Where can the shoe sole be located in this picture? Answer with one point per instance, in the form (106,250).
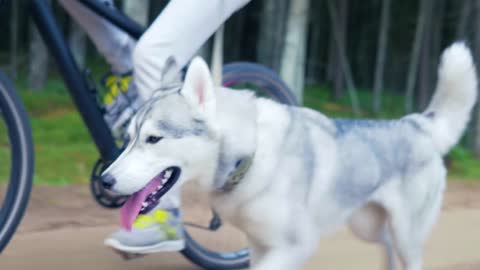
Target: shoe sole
(167,246)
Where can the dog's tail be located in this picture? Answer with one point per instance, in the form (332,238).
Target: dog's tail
(455,95)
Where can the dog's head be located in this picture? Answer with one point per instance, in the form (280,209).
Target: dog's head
(173,138)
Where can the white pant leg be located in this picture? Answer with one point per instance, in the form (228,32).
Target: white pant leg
(114,44)
(179,31)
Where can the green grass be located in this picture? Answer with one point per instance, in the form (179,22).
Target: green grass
(463,165)
(63,148)
(65,153)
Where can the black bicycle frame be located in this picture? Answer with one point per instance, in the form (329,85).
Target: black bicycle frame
(69,70)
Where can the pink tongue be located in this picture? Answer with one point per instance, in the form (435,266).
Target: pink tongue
(131,208)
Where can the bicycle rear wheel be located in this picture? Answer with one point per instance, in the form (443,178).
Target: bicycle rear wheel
(16,160)
(221,246)
(264,81)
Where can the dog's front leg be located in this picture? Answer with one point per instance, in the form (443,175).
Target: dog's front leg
(282,258)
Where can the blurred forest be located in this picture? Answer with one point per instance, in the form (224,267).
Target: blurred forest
(370,58)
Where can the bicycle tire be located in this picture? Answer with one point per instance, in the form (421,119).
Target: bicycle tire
(270,82)
(275,88)
(19,186)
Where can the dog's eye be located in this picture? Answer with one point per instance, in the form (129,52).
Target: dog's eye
(153,139)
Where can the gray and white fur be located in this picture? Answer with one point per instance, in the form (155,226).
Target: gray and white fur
(310,174)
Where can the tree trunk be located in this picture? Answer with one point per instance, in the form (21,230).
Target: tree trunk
(313,67)
(205,51)
(137,10)
(235,36)
(439,15)
(344,64)
(476,47)
(425,5)
(38,65)
(332,61)
(425,73)
(381,53)
(155,8)
(465,12)
(14,39)
(339,28)
(294,52)
(78,45)
(217,56)
(272,32)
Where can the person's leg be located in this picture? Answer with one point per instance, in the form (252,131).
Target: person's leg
(114,44)
(121,98)
(173,39)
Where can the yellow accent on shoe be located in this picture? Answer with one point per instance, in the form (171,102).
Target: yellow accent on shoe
(108,99)
(161,215)
(115,84)
(113,92)
(158,216)
(125,82)
(170,232)
(111,80)
(143,221)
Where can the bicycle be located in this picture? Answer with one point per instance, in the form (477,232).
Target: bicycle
(84,95)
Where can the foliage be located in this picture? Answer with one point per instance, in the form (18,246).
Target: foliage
(462,164)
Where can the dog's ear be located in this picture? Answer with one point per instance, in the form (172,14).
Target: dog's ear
(198,88)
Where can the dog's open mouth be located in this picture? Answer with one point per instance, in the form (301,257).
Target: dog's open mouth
(148,197)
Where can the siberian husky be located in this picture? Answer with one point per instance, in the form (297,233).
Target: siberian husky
(286,176)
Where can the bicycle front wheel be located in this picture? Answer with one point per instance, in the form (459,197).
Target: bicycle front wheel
(209,243)
(16,160)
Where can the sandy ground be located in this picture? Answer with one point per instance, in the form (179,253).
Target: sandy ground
(64,229)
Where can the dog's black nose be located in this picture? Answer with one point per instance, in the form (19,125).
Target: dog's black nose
(108,181)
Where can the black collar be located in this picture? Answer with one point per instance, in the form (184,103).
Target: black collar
(234,176)
(238,139)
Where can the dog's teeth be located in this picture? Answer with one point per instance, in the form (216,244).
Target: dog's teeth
(145,204)
(167,174)
(154,193)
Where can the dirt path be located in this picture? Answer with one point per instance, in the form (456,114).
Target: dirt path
(64,229)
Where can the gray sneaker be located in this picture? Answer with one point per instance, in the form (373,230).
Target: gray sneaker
(120,101)
(158,231)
